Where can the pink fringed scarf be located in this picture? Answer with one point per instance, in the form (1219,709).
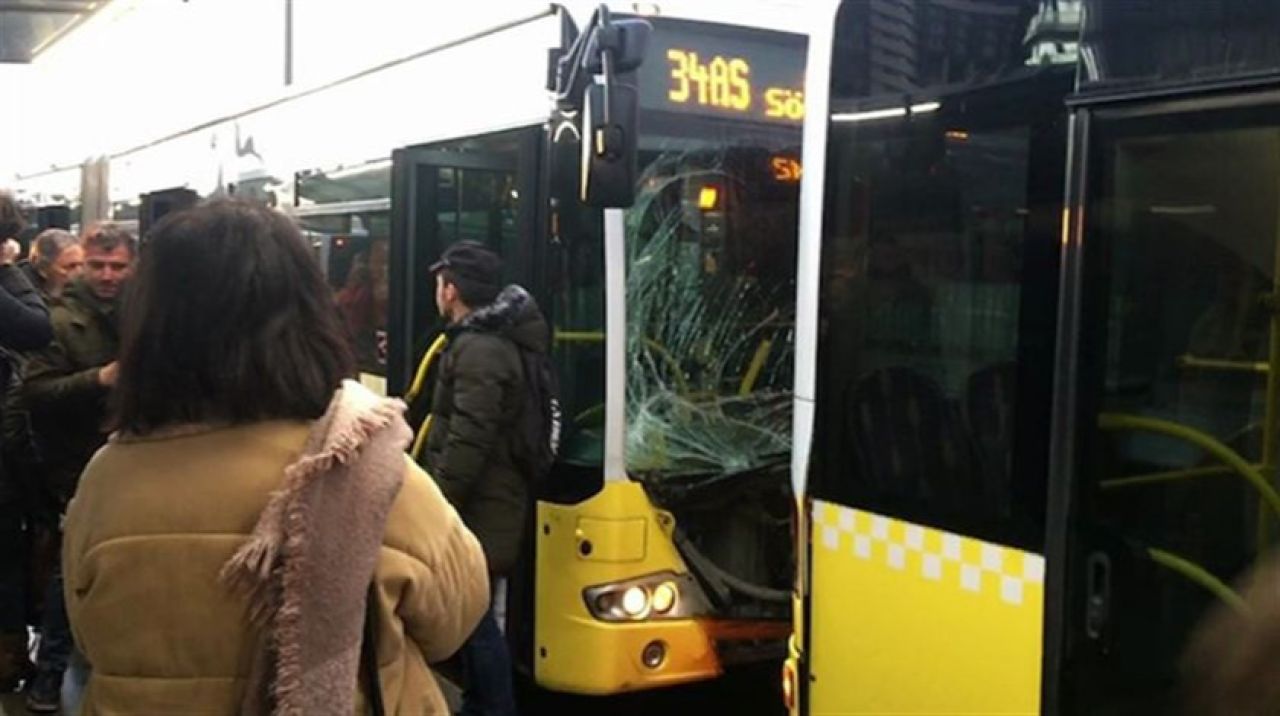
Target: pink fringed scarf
(308,563)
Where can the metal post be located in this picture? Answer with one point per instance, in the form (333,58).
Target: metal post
(615,345)
(288,42)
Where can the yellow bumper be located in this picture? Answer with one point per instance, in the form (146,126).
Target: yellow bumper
(615,536)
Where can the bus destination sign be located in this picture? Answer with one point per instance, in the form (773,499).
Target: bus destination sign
(726,72)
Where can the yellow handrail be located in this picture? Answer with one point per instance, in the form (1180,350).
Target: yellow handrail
(1204,441)
(420,376)
(419,380)
(420,440)
(1237,366)
(755,368)
(1200,576)
(578,336)
(1169,476)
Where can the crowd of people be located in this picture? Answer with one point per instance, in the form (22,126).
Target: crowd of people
(199,500)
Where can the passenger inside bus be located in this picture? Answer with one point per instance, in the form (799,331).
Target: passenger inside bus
(363,302)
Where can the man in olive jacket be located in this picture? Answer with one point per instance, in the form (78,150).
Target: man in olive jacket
(66,390)
(472,448)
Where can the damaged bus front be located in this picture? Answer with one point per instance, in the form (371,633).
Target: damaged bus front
(676,368)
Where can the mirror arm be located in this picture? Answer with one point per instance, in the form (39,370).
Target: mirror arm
(567,86)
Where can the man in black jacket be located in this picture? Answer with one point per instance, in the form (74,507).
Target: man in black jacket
(24,325)
(472,448)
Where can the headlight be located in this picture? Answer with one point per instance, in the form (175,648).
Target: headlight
(635,602)
(664,597)
(657,596)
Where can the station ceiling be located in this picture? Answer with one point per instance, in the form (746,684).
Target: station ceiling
(27,27)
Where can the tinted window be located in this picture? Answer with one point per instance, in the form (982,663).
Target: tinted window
(353,251)
(944,186)
(1179,343)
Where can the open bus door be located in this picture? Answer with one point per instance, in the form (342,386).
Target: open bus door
(474,188)
(479,188)
(1169,413)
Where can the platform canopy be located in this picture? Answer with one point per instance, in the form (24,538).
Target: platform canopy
(28,27)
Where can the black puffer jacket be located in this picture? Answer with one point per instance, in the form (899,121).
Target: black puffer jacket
(478,399)
(24,319)
(24,325)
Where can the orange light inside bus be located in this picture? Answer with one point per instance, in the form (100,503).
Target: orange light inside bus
(785,169)
(709,197)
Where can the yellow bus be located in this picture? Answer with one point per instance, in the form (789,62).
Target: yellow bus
(1038,351)
(659,552)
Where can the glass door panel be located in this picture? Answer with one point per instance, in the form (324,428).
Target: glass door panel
(1176,494)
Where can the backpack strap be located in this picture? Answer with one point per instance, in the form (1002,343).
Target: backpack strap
(369,653)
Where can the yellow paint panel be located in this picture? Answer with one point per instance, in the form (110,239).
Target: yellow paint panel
(612,540)
(578,653)
(912,620)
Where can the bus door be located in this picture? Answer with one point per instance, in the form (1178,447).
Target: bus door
(1169,454)
(476,188)
(479,188)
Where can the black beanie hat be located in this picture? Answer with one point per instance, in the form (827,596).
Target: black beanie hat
(474,269)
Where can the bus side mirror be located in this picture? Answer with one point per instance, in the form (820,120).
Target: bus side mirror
(608,177)
(589,78)
(628,40)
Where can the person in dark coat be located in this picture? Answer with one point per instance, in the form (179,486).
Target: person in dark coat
(471,448)
(24,325)
(65,389)
(55,260)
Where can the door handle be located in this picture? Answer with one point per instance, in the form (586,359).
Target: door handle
(1098,609)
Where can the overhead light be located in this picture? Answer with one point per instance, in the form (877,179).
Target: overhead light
(887,113)
(1184,209)
(869,115)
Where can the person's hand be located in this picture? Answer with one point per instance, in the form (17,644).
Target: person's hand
(108,374)
(9,252)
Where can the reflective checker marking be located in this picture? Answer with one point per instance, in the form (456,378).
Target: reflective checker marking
(966,563)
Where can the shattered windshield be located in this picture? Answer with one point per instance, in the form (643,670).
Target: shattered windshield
(710,299)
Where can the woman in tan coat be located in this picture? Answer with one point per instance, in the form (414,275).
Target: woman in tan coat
(220,549)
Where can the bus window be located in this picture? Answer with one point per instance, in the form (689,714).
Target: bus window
(937,294)
(353,252)
(710,294)
(575,305)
